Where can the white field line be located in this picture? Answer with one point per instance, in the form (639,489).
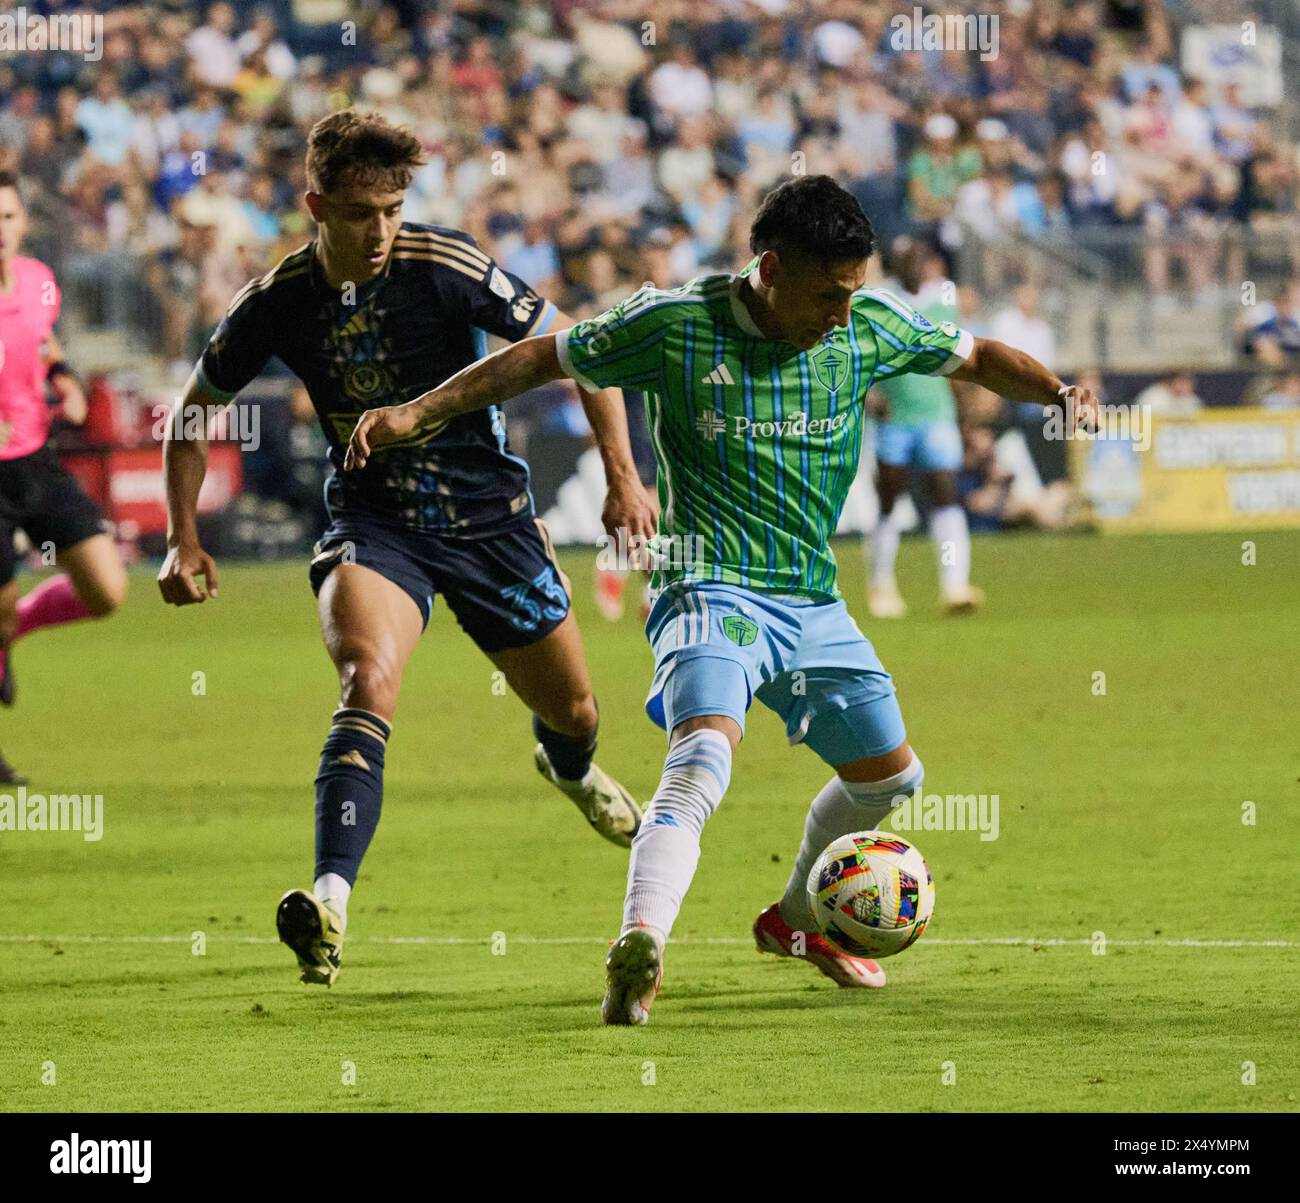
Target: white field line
(933,942)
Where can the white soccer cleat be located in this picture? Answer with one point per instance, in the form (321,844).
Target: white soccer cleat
(774,935)
(634,970)
(963,600)
(605,804)
(885,601)
(314,933)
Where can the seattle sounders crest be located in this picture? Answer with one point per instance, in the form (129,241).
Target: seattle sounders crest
(831,364)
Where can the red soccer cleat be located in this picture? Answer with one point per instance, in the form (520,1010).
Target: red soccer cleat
(773,934)
(610,587)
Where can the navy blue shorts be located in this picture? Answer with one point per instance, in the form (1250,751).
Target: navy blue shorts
(505,590)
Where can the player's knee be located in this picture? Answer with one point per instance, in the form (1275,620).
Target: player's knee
(901,783)
(943,489)
(8,614)
(105,596)
(368,682)
(575,716)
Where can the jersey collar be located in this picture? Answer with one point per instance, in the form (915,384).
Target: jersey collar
(322,285)
(742,315)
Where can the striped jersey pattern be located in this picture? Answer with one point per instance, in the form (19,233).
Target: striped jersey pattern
(914,399)
(756,442)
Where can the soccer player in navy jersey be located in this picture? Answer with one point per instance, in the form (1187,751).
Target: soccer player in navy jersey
(373,312)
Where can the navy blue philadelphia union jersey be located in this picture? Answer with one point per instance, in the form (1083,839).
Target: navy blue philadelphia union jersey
(417,323)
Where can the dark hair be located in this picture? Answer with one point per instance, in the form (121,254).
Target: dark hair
(812,216)
(10,179)
(352,147)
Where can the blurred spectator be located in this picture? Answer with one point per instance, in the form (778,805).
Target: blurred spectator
(709,216)
(1019,325)
(263,34)
(106,120)
(937,170)
(1147,71)
(1172,397)
(987,490)
(1273,333)
(214,56)
(679,86)
(686,165)
(535,259)
(1284,393)
(1234,125)
(1180,230)
(1192,125)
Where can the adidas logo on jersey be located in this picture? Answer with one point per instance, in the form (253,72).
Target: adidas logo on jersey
(719,375)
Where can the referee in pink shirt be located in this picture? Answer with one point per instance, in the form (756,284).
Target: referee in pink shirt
(36,493)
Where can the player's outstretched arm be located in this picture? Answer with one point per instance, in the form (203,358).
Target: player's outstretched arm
(185,463)
(627,505)
(1019,377)
(507,373)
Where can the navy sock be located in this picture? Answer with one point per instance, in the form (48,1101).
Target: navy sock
(570,754)
(349,791)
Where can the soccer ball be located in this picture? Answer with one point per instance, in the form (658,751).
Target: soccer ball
(871,893)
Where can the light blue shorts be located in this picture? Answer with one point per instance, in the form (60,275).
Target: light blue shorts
(717,647)
(929,446)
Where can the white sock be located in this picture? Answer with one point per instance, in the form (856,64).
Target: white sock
(667,848)
(952,541)
(841,807)
(574,785)
(332,891)
(884,548)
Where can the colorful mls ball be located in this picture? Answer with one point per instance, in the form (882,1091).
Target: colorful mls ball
(871,893)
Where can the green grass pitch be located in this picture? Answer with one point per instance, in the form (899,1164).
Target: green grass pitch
(1120,813)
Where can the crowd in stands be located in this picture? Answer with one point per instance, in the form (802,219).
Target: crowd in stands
(591,145)
(594,145)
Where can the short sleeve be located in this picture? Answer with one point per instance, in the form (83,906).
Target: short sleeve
(907,340)
(240,346)
(491,298)
(619,348)
(46,294)
(56,300)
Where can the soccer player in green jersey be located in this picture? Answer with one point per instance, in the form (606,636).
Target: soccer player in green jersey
(920,431)
(754,387)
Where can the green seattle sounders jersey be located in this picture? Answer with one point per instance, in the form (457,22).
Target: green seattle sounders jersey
(914,399)
(756,442)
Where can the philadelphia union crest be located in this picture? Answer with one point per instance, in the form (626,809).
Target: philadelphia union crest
(366,381)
